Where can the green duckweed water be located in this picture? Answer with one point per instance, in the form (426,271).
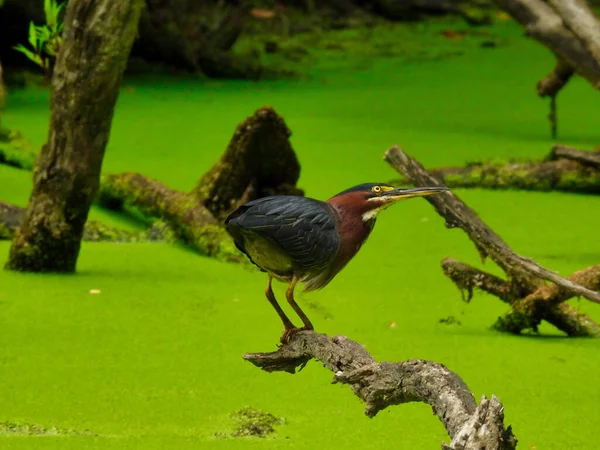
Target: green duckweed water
(154,360)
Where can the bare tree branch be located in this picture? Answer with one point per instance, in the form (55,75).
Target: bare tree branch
(581,20)
(551,84)
(467,277)
(521,270)
(379,385)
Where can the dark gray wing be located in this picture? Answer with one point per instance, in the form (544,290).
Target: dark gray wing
(302,227)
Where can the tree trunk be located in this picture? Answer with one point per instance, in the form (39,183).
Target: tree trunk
(98,36)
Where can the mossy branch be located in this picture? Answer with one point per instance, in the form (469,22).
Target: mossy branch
(381,385)
(558,172)
(11,217)
(526,276)
(191,222)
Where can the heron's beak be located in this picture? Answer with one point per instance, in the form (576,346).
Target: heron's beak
(401,194)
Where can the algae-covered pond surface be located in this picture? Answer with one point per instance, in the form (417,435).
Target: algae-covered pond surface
(155,359)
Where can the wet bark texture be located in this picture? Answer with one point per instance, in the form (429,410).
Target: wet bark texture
(12,216)
(525,277)
(379,385)
(259,161)
(191,222)
(98,36)
(564,169)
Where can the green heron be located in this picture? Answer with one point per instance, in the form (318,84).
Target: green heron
(298,239)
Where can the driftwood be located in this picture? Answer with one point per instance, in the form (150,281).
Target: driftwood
(524,275)
(564,169)
(11,217)
(379,385)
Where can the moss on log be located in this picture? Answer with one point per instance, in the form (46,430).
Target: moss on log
(16,151)
(190,221)
(97,40)
(11,217)
(567,175)
(547,303)
(259,161)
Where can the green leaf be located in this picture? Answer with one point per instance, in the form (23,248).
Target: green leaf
(32,35)
(32,56)
(48,11)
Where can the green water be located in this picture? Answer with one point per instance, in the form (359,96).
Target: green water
(154,360)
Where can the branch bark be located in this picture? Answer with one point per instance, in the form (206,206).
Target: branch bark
(565,175)
(379,385)
(553,25)
(457,214)
(551,84)
(97,40)
(524,276)
(585,158)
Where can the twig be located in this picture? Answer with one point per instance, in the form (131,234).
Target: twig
(521,270)
(379,385)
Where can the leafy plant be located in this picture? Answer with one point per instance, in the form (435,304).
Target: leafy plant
(45,39)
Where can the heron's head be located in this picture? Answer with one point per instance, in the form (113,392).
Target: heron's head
(370,198)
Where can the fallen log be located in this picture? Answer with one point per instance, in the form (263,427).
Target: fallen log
(379,385)
(524,275)
(11,217)
(190,221)
(565,169)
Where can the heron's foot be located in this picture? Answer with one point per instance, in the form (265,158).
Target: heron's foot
(289,332)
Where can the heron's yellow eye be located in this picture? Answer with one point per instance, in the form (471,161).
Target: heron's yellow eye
(377,189)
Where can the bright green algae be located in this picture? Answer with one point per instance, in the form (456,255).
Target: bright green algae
(154,359)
